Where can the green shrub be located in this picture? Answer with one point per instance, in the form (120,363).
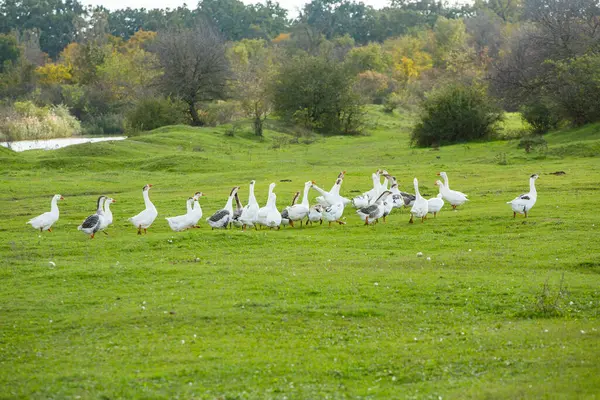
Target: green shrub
(153,113)
(26,121)
(456,113)
(540,117)
(533,142)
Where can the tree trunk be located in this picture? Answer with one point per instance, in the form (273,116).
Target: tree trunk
(258,126)
(194,114)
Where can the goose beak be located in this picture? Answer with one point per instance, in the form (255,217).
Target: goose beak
(438,174)
(113,201)
(314,183)
(62,198)
(149,185)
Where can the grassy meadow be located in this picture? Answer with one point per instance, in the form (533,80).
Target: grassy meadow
(496,308)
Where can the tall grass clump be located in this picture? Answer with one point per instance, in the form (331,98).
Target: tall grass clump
(456,113)
(26,121)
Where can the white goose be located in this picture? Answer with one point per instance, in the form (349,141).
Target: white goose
(300,211)
(221,219)
(454,197)
(331,198)
(400,198)
(335,190)
(108,217)
(315,214)
(523,203)
(370,196)
(373,212)
(388,205)
(250,212)
(435,204)
(197,210)
(185,221)
(92,224)
(45,221)
(334,213)
(273,217)
(261,216)
(447,183)
(421,206)
(285,217)
(144,219)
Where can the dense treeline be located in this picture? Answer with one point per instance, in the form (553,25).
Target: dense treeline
(137,69)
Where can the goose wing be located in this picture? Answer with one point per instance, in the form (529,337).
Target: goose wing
(91,221)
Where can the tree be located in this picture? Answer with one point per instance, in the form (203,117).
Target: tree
(507,10)
(9,51)
(540,56)
(317,92)
(194,65)
(55,20)
(371,57)
(253,65)
(575,87)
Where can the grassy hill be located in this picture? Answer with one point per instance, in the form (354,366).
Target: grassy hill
(496,308)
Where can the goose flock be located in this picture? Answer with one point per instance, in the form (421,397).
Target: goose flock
(371,206)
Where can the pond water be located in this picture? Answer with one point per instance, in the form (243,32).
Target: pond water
(53,144)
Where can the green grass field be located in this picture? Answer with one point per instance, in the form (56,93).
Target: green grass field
(496,308)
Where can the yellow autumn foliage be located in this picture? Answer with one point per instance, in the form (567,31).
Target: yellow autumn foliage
(52,73)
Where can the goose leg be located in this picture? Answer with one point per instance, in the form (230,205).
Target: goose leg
(145,231)
(49,229)
(321,222)
(422,219)
(454,206)
(92,235)
(525,214)
(41,229)
(139,230)
(514,214)
(291,223)
(411,219)
(366,220)
(384,220)
(329,223)
(340,222)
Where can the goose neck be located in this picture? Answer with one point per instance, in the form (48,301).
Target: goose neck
(305,196)
(54,205)
(228,205)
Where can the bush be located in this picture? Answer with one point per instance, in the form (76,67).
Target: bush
(540,117)
(26,121)
(533,142)
(317,92)
(372,87)
(220,113)
(106,124)
(456,113)
(153,113)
